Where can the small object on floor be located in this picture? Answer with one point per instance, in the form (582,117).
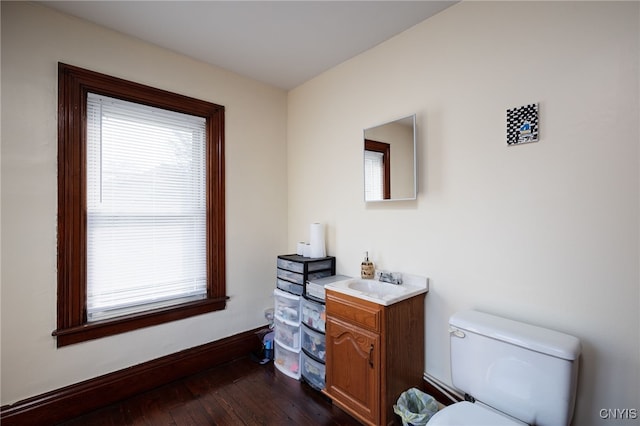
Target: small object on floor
(265,354)
(259,358)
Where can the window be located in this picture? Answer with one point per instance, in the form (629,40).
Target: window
(140,209)
(374,175)
(377,170)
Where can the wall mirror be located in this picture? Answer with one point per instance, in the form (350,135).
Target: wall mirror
(390,161)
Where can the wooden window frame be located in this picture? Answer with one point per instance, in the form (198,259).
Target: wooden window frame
(384,149)
(73,85)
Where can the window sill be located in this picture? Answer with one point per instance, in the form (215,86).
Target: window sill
(98,329)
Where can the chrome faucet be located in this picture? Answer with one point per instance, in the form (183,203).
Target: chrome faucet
(390,277)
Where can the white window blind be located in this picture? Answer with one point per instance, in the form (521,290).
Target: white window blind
(146,208)
(373,175)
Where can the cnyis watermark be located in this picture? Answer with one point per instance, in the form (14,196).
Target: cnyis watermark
(619,413)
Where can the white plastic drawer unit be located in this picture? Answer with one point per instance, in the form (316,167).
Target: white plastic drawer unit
(287,361)
(286,307)
(287,335)
(314,289)
(313,343)
(313,314)
(313,372)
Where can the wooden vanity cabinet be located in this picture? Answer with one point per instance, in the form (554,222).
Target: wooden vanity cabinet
(374,353)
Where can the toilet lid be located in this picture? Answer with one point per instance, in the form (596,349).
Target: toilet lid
(466,413)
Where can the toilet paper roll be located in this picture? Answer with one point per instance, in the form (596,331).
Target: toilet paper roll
(307,250)
(316,240)
(300,249)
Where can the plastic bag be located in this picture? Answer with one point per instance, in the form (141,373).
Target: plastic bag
(415,407)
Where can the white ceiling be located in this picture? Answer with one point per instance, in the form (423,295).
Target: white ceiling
(283,43)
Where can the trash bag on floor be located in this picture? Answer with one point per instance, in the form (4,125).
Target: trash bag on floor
(415,407)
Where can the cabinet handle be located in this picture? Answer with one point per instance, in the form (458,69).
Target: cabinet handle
(371,356)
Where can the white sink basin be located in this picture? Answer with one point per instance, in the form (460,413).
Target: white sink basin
(376,288)
(379,292)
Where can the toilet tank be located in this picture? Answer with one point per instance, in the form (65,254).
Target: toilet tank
(519,369)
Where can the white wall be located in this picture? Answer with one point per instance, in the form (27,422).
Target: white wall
(545,233)
(34,39)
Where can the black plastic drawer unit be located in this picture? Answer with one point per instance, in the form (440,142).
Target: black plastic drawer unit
(294,271)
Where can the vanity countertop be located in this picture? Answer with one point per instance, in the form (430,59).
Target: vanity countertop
(380,292)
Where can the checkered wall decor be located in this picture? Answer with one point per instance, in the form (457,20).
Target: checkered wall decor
(522,124)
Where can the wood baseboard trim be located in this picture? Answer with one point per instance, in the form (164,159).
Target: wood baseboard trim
(74,400)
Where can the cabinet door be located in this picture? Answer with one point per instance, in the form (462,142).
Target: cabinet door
(353,368)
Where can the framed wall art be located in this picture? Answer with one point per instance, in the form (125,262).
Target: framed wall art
(522,124)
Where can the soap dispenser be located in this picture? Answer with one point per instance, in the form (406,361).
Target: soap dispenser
(367,271)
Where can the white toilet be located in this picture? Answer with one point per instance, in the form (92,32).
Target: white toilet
(516,373)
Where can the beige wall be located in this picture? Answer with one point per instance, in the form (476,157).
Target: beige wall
(34,39)
(546,232)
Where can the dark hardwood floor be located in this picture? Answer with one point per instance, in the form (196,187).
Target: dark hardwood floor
(241,392)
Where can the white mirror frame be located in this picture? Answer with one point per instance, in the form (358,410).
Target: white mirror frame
(400,165)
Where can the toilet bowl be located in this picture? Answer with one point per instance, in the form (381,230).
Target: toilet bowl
(476,414)
(516,373)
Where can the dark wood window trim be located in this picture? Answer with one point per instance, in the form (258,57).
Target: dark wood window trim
(73,86)
(385,150)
